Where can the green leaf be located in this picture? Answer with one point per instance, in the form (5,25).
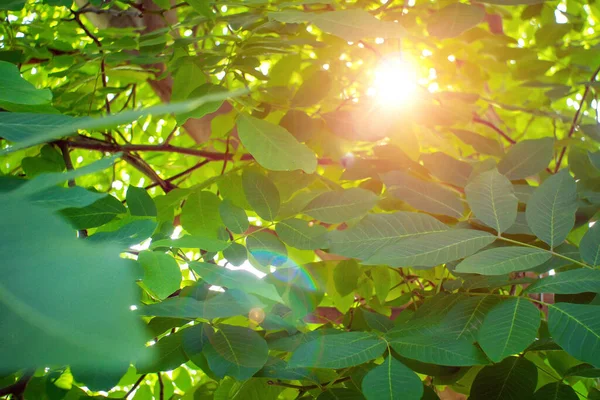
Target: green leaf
(432,249)
(262,194)
(229,304)
(340,206)
(595,159)
(53,296)
(515,378)
(314,88)
(480,143)
(454,19)
(200,214)
(375,231)
(465,318)
(57,198)
(345,276)
(242,280)
(447,169)
(205,108)
(338,351)
(301,234)
(96,214)
(508,328)
(129,234)
(192,242)
(576,328)
(166,354)
(341,394)
(236,254)
(48,180)
(41,134)
(568,282)
(300,125)
(234,217)
(526,158)
(162,275)
(350,25)
(589,247)
(234,350)
(551,210)
(422,195)
(503,260)
(266,248)
(273,147)
(512,2)
(421,346)
(16,90)
(491,198)
(392,380)
(140,203)
(555,391)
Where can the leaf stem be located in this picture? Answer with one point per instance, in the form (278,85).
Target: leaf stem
(546,250)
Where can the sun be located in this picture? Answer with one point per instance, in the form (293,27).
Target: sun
(395,84)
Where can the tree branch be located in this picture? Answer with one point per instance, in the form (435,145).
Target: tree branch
(499,131)
(307,387)
(135,386)
(576,118)
(17,388)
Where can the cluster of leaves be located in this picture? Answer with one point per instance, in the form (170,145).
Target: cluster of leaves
(312,242)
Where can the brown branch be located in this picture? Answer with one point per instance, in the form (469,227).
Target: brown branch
(179,175)
(141,165)
(499,131)
(102,63)
(83,142)
(576,118)
(307,387)
(18,388)
(161,385)
(64,149)
(135,386)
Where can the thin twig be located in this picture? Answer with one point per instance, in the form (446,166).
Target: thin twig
(64,149)
(576,118)
(179,175)
(161,385)
(100,50)
(135,386)
(499,131)
(307,387)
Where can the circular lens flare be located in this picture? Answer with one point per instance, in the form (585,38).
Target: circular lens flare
(395,83)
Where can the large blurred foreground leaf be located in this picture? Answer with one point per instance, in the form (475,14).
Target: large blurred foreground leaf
(62,300)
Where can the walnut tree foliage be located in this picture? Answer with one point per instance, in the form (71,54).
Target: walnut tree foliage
(217,199)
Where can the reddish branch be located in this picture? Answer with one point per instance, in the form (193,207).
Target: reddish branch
(499,131)
(576,118)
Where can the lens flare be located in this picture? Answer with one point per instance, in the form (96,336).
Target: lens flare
(395,83)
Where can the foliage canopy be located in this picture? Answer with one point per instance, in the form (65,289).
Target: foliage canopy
(271,199)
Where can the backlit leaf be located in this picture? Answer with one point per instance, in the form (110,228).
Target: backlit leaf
(432,249)
(490,196)
(140,203)
(200,214)
(162,275)
(422,195)
(15,89)
(340,206)
(454,19)
(273,147)
(261,194)
(378,230)
(551,210)
(503,260)
(234,217)
(301,234)
(526,158)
